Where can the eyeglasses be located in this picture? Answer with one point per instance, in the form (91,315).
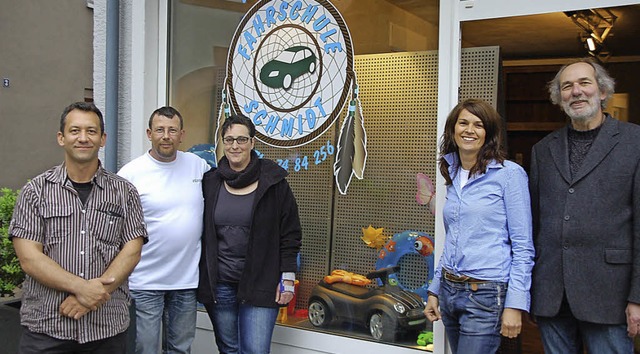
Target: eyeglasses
(241,140)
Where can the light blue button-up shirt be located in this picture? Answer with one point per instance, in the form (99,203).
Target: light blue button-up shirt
(488,230)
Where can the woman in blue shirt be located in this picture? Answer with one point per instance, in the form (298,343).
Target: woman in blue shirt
(481,285)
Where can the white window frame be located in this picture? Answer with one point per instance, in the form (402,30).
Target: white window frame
(148,79)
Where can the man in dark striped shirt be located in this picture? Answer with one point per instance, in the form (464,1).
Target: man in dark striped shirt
(78,231)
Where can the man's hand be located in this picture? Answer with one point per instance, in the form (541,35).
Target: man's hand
(93,293)
(511,322)
(431,310)
(633,319)
(72,308)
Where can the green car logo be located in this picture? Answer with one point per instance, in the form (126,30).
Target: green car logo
(288,66)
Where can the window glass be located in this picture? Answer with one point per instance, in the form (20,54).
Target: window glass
(357,226)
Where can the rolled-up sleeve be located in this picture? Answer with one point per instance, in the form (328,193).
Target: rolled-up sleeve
(27,222)
(134,225)
(518,210)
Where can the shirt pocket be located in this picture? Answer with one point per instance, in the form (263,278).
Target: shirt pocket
(57,223)
(108,223)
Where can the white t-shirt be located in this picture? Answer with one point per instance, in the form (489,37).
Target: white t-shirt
(464,177)
(171,195)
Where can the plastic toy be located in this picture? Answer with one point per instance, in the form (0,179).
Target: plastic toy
(408,242)
(424,338)
(373,237)
(342,276)
(386,310)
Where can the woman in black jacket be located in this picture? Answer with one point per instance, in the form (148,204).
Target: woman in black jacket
(251,240)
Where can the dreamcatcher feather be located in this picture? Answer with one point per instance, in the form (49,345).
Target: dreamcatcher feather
(223,114)
(360,141)
(351,156)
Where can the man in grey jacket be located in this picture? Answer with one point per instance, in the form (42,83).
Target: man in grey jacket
(585,194)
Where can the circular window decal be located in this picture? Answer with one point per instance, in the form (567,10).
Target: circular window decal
(290,69)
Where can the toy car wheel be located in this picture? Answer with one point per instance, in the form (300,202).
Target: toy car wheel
(319,314)
(382,327)
(312,67)
(286,82)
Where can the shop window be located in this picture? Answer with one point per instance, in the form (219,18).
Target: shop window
(378,223)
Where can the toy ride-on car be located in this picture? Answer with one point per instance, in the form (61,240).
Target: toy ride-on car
(386,310)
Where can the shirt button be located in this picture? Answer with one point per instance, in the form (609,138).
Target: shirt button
(83,211)
(565,247)
(82,253)
(82,274)
(110,222)
(82,232)
(567,217)
(571,190)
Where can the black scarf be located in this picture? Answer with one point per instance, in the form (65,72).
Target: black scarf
(243,178)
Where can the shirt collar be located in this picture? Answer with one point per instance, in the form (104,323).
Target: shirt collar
(59,175)
(453,160)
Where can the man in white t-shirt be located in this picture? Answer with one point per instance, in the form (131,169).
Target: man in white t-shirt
(164,283)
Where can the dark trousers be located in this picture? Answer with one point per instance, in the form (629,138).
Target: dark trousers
(38,343)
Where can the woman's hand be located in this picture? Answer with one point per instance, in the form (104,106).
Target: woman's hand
(431,310)
(284,297)
(511,322)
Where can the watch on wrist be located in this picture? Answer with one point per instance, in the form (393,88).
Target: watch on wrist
(286,288)
(288,276)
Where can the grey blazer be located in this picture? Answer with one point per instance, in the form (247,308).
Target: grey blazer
(587,228)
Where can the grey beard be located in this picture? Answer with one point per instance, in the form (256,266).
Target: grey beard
(580,117)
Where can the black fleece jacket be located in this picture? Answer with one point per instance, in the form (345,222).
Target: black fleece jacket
(274,239)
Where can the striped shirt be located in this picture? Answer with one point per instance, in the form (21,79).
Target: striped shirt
(83,240)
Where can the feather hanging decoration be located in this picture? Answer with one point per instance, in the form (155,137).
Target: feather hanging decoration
(223,114)
(360,139)
(343,166)
(351,154)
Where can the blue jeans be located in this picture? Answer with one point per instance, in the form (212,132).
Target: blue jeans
(240,328)
(564,334)
(172,310)
(472,318)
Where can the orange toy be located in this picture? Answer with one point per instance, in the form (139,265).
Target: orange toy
(342,276)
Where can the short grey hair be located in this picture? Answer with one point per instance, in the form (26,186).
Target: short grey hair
(605,82)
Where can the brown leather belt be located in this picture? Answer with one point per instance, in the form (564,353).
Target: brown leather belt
(461,278)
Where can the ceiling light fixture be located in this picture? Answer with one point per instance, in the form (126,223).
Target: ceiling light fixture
(591,44)
(596,25)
